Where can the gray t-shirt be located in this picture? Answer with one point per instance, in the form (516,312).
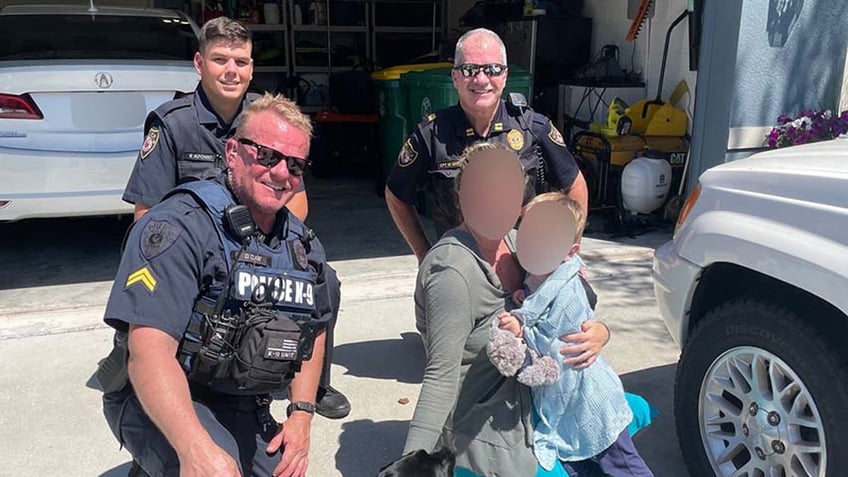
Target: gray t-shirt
(464,400)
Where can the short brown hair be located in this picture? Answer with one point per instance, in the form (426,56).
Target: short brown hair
(223,28)
(572,205)
(284,107)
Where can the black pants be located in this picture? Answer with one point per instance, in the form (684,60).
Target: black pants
(335,290)
(239,425)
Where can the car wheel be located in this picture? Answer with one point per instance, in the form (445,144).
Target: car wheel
(760,392)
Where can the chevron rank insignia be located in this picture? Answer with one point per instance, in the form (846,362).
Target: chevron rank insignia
(143,276)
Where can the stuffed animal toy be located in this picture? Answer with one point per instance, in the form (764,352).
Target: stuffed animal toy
(511,356)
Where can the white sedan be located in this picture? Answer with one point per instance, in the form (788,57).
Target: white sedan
(75,87)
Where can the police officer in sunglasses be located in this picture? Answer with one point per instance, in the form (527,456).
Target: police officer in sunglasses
(430,157)
(185,138)
(223,295)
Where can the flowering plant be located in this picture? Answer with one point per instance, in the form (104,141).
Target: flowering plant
(810,126)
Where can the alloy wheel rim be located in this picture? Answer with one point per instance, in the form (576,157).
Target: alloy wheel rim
(758,419)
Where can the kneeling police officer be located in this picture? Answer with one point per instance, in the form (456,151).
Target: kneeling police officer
(222,298)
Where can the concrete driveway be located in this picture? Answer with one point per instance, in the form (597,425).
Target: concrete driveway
(56,275)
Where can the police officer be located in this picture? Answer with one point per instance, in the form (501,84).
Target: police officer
(431,155)
(222,276)
(185,141)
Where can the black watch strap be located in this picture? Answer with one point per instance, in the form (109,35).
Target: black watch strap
(300,406)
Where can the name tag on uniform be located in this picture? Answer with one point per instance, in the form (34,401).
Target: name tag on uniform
(199,157)
(283,290)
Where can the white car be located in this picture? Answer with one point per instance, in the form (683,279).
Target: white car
(754,290)
(75,87)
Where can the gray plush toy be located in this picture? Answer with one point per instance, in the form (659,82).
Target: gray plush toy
(511,355)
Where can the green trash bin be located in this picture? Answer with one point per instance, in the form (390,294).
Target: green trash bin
(431,90)
(391,107)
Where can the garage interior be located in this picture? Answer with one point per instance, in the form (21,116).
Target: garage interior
(585,62)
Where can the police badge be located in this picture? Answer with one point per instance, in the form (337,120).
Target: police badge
(298,252)
(407,155)
(150,142)
(515,139)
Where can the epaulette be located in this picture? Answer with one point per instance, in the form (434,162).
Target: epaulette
(167,108)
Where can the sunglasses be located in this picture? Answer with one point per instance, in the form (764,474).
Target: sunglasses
(269,158)
(469,70)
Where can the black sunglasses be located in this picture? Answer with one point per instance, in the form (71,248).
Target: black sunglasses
(469,70)
(269,158)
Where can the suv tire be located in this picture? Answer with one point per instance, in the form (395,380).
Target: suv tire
(727,349)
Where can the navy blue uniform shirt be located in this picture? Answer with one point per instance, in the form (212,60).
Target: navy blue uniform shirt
(172,253)
(184,141)
(430,157)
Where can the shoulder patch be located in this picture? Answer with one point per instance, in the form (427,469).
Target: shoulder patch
(408,154)
(142,276)
(555,136)
(150,142)
(515,139)
(158,236)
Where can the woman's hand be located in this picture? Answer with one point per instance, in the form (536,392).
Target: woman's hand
(587,344)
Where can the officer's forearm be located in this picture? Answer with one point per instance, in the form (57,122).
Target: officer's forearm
(162,389)
(304,386)
(406,220)
(579,192)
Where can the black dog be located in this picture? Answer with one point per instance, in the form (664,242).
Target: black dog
(420,463)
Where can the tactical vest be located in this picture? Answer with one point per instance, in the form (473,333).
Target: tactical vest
(249,333)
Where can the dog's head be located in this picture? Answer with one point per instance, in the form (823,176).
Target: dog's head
(421,463)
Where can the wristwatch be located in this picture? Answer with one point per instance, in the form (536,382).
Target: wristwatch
(300,406)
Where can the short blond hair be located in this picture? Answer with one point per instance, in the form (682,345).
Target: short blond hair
(284,107)
(472,151)
(572,205)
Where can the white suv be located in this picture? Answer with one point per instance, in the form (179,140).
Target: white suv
(753,289)
(75,87)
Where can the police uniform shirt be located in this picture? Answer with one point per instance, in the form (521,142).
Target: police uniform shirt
(173,251)
(431,157)
(184,140)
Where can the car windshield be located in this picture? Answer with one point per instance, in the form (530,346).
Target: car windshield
(95,37)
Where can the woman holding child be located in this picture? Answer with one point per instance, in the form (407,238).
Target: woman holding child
(464,285)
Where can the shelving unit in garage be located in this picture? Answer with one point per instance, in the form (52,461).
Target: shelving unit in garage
(331,37)
(314,39)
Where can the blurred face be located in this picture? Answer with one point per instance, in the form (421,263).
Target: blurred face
(491,193)
(480,91)
(545,237)
(225,70)
(265,189)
